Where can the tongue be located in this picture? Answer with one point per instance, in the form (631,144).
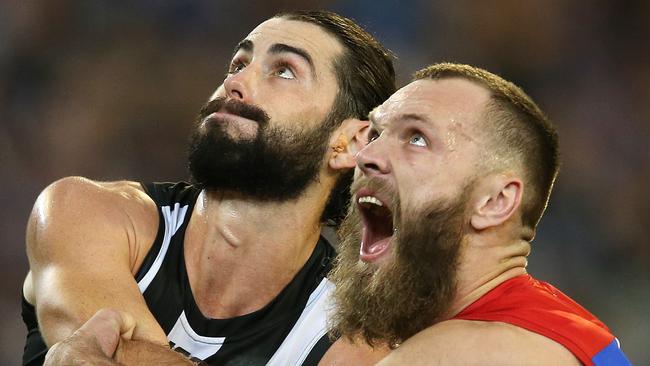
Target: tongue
(377,246)
(373,250)
(377,234)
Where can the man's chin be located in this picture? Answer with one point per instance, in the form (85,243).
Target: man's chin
(408,286)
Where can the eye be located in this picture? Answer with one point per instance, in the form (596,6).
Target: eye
(373,134)
(235,67)
(284,72)
(417,139)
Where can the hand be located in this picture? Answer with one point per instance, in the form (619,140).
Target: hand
(95,342)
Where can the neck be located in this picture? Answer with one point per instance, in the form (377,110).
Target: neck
(240,253)
(485,264)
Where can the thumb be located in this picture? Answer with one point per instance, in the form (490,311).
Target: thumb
(107,326)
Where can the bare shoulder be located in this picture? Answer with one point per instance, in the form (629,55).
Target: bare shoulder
(479,343)
(345,352)
(80,191)
(85,241)
(73,208)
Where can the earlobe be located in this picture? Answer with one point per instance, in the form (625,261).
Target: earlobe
(344,144)
(500,201)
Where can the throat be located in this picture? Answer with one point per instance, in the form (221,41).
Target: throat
(483,268)
(232,280)
(240,254)
(234,286)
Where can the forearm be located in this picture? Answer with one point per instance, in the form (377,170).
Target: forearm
(106,340)
(72,352)
(146,353)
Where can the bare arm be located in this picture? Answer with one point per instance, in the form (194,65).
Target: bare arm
(84,243)
(105,340)
(479,343)
(345,352)
(95,342)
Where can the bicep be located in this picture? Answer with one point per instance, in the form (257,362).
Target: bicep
(77,244)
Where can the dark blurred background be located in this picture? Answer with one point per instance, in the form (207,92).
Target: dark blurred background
(109,90)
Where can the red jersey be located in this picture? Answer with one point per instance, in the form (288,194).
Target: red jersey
(541,308)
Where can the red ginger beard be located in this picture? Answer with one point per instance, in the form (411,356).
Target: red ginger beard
(388,302)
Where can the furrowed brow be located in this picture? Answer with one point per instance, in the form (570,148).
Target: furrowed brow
(285,48)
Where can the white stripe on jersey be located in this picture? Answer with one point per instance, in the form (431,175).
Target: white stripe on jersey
(310,327)
(173,221)
(183,336)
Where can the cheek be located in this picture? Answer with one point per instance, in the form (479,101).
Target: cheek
(412,175)
(416,189)
(316,105)
(298,113)
(317,112)
(296,106)
(435,175)
(411,198)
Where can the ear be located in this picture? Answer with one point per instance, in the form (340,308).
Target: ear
(346,141)
(499,198)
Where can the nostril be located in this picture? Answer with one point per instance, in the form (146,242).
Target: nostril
(237,94)
(371,166)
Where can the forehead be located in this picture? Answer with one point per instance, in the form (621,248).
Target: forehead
(445,102)
(321,45)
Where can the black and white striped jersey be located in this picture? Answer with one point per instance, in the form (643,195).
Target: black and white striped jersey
(290,330)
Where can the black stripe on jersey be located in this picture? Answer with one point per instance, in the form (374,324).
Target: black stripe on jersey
(318,351)
(250,339)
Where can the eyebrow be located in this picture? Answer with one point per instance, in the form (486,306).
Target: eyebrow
(247,46)
(412,116)
(401,116)
(285,48)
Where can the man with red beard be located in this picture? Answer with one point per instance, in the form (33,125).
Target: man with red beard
(447,197)
(229,270)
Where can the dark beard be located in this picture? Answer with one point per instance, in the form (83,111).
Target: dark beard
(388,303)
(276,165)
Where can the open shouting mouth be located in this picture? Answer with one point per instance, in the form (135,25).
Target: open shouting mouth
(377,221)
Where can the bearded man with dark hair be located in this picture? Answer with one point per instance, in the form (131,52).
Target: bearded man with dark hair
(229,270)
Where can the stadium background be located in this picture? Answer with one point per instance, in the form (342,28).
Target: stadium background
(109,90)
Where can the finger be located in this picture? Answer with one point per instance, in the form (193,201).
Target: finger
(106,327)
(127,325)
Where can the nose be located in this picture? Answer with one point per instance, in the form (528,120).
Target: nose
(239,86)
(373,159)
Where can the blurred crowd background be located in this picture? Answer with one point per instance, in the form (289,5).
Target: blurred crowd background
(110,89)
